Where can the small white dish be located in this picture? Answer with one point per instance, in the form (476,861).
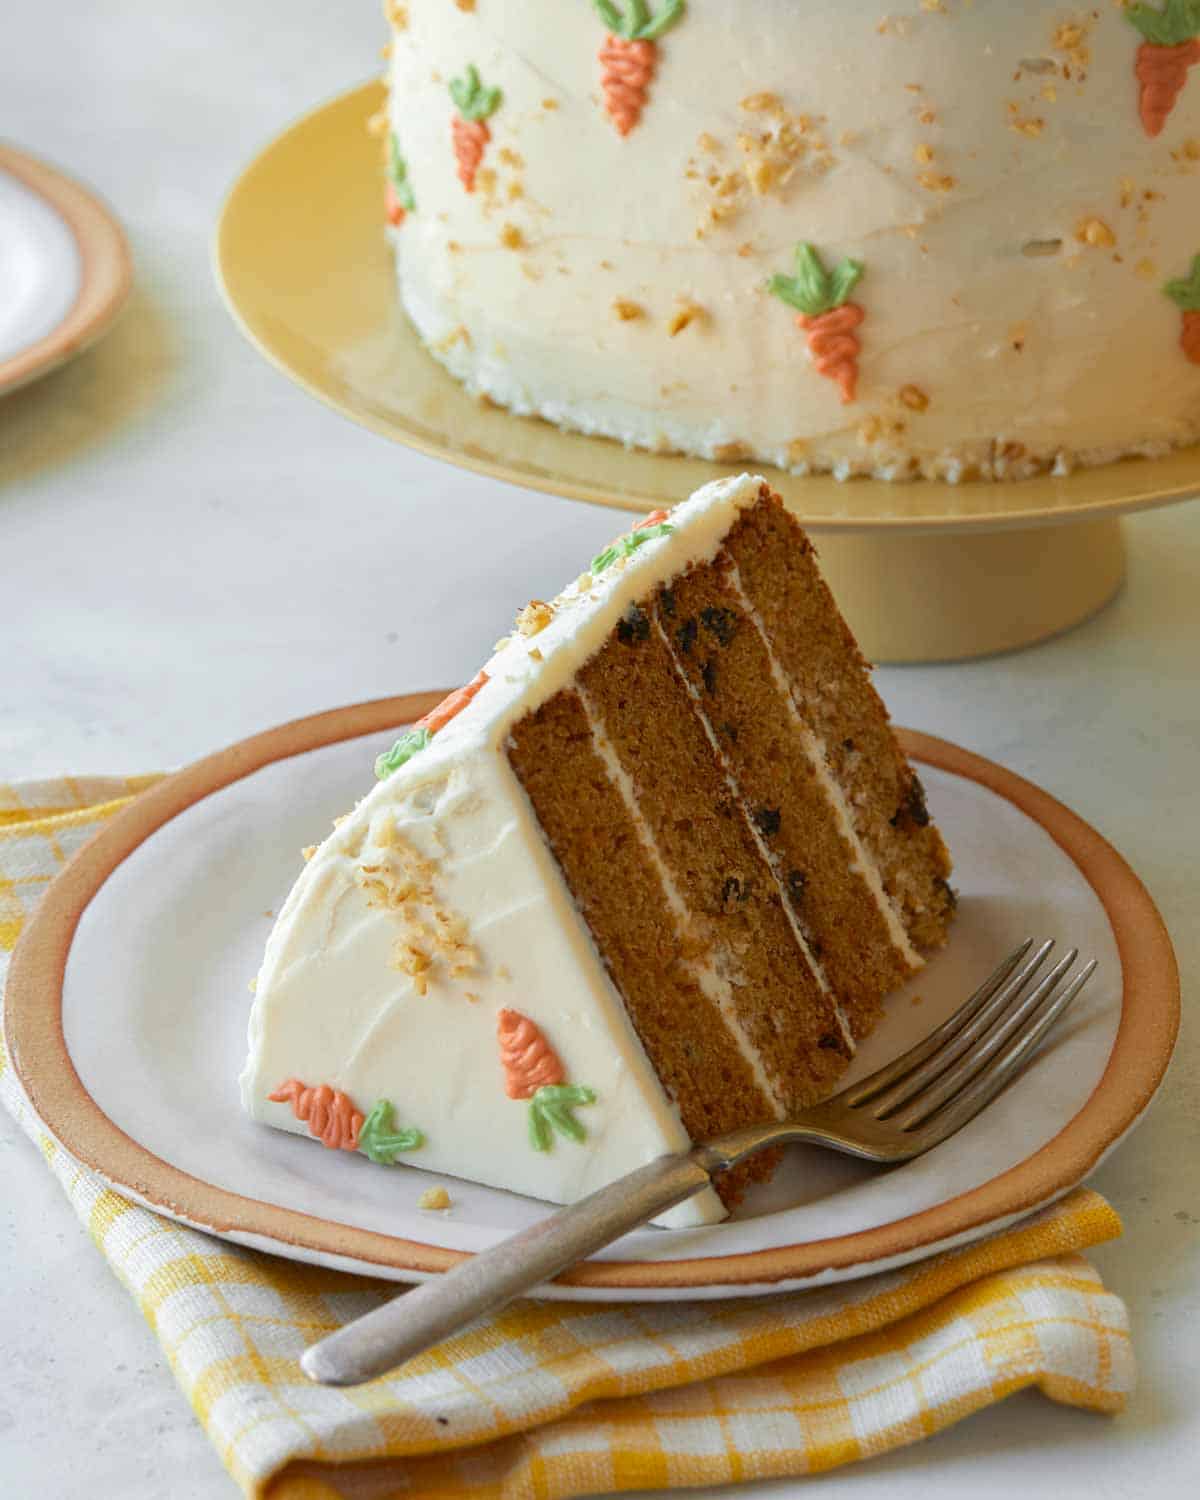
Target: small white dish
(64,267)
(128,999)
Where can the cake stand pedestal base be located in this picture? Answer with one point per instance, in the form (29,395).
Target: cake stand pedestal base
(947,596)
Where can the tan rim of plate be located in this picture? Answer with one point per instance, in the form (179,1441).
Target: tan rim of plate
(315,291)
(105,279)
(33,1022)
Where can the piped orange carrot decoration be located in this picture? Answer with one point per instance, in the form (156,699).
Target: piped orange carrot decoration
(629,56)
(451,705)
(1170,46)
(1185,293)
(532,1071)
(476,105)
(825,313)
(329,1115)
(528,1059)
(397,193)
(418,737)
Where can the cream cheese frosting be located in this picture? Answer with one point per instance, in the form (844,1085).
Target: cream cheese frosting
(988,163)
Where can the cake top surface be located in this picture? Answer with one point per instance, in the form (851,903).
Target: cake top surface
(552,640)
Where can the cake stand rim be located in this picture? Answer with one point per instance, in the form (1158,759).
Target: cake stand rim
(1174,477)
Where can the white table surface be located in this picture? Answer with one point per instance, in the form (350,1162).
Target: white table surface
(191,550)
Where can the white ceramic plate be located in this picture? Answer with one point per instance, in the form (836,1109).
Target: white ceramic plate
(64,268)
(147,946)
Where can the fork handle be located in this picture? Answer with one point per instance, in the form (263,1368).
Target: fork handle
(416,1320)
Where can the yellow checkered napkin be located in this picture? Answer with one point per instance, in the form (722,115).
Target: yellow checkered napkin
(563,1399)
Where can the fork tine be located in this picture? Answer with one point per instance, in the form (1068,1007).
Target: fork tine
(953,1116)
(882,1078)
(982,1048)
(963,1039)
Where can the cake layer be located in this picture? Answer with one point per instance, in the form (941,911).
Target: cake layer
(616,876)
(602,231)
(779,767)
(778,573)
(778,1000)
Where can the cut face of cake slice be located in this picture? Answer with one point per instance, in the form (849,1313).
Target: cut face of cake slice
(647,878)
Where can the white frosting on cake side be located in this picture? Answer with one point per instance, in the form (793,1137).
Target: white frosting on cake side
(436,904)
(985,162)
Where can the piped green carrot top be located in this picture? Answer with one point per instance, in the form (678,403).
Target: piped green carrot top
(473,100)
(1185,290)
(398,172)
(637,24)
(1176,22)
(813,290)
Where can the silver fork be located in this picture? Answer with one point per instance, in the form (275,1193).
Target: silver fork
(897,1113)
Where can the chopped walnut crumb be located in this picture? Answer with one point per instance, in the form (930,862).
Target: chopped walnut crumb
(1095,232)
(937,182)
(730,453)
(764,104)
(914,398)
(308,851)
(627,311)
(396,13)
(436,1197)
(1030,125)
(923,154)
(534,618)
(927,116)
(535,654)
(414,962)
(684,317)
(549,103)
(512,238)
(459,335)
(471,996)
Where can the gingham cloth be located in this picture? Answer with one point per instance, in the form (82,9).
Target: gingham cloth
(565,1399)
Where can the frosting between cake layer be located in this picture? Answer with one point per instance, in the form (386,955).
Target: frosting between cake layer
(862,862)
(714,983)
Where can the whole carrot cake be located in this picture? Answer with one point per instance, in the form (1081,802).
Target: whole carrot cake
(648,877)
(950,238)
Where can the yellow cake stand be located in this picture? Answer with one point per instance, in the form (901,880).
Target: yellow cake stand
(924,571)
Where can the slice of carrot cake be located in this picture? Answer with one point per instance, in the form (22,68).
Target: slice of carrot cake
(648,877)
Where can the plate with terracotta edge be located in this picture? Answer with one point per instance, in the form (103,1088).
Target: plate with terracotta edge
(104,277)
(114,926)
(314,290)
